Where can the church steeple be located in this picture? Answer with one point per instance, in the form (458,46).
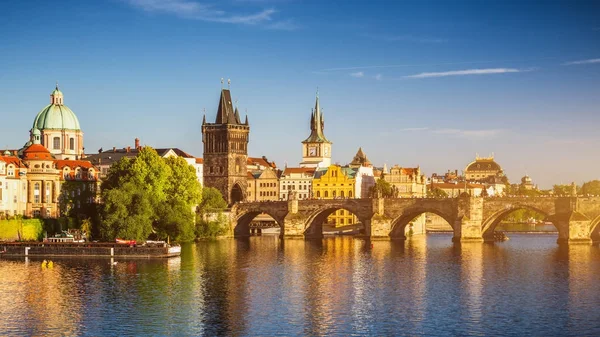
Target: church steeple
(317,124)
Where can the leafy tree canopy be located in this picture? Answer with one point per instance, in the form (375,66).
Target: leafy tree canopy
(591,188)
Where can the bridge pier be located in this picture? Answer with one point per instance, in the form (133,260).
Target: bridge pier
(468,225)
(573,228)
(380,227)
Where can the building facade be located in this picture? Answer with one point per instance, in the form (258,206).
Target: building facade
(410,182)
(296,180)
(263,185)
(332,183)
(226,151)
(13,177)
(316,149)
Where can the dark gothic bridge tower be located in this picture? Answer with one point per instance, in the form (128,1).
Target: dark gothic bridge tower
(226,151)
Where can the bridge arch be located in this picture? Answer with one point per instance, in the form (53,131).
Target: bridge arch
(595,229)
(314,224)
(242,222)
(399,223)
(489,225)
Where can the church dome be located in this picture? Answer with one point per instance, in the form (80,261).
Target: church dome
(56,115)
(483,164)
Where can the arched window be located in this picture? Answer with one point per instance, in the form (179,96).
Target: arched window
(326,194)
(56,143)
(72,143)
(318,194)
(350,194)
(334,194)
(342,194)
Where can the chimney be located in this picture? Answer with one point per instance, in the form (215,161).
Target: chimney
(114,149)
(137,143)
(128,149)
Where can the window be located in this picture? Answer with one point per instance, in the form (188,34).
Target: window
(318,194)
(72,143)
(334,194)
(342,194)
(48,191)
(36,193)
(350,194)
(326,194)
(56,143)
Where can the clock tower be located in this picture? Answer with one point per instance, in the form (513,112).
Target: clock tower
(316,149)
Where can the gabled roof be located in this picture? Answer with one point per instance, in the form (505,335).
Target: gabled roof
(360,159)
(260,161)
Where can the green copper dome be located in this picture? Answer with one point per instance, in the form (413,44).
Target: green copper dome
(56,115)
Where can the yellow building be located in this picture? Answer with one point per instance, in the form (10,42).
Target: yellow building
(336,182)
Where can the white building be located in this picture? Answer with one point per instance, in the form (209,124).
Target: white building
(298,180)
(13,180)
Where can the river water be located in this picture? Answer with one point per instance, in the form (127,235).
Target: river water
(527,286)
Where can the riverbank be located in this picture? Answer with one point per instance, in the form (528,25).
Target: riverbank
(88,249)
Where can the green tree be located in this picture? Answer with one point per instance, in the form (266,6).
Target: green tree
(591,188)
(210,220)
(436,192)
(132,192)
(562,190)
(183,192)
(382,188)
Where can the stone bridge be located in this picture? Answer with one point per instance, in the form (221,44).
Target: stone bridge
(471,218)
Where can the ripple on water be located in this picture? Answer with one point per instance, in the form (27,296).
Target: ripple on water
(338,286)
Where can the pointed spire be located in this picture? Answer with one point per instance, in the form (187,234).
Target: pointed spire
(317,124)
(203,119)
(237,116)
(246,122)
(225,113)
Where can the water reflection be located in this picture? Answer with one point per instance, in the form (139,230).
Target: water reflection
(336,286)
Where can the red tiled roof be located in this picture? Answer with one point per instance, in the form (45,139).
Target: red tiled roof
(60,164)
(260,161)
(199,161)
(36,151)
(306,170)
(250,175)
(12,160)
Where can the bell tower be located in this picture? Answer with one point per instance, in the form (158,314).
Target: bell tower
(226,151)
(316,149)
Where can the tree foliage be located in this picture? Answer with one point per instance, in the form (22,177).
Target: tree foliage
(383,189)
(591,188)
(562,190)
(147,194)
(436,192)
(175,217)
(210,220)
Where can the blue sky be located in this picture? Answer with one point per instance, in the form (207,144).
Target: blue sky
(414,83)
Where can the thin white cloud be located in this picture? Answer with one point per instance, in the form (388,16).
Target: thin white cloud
(358,74)
(404,38)
(414,129)
(190,9)
(378,77)
(590,61)
(487,71)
